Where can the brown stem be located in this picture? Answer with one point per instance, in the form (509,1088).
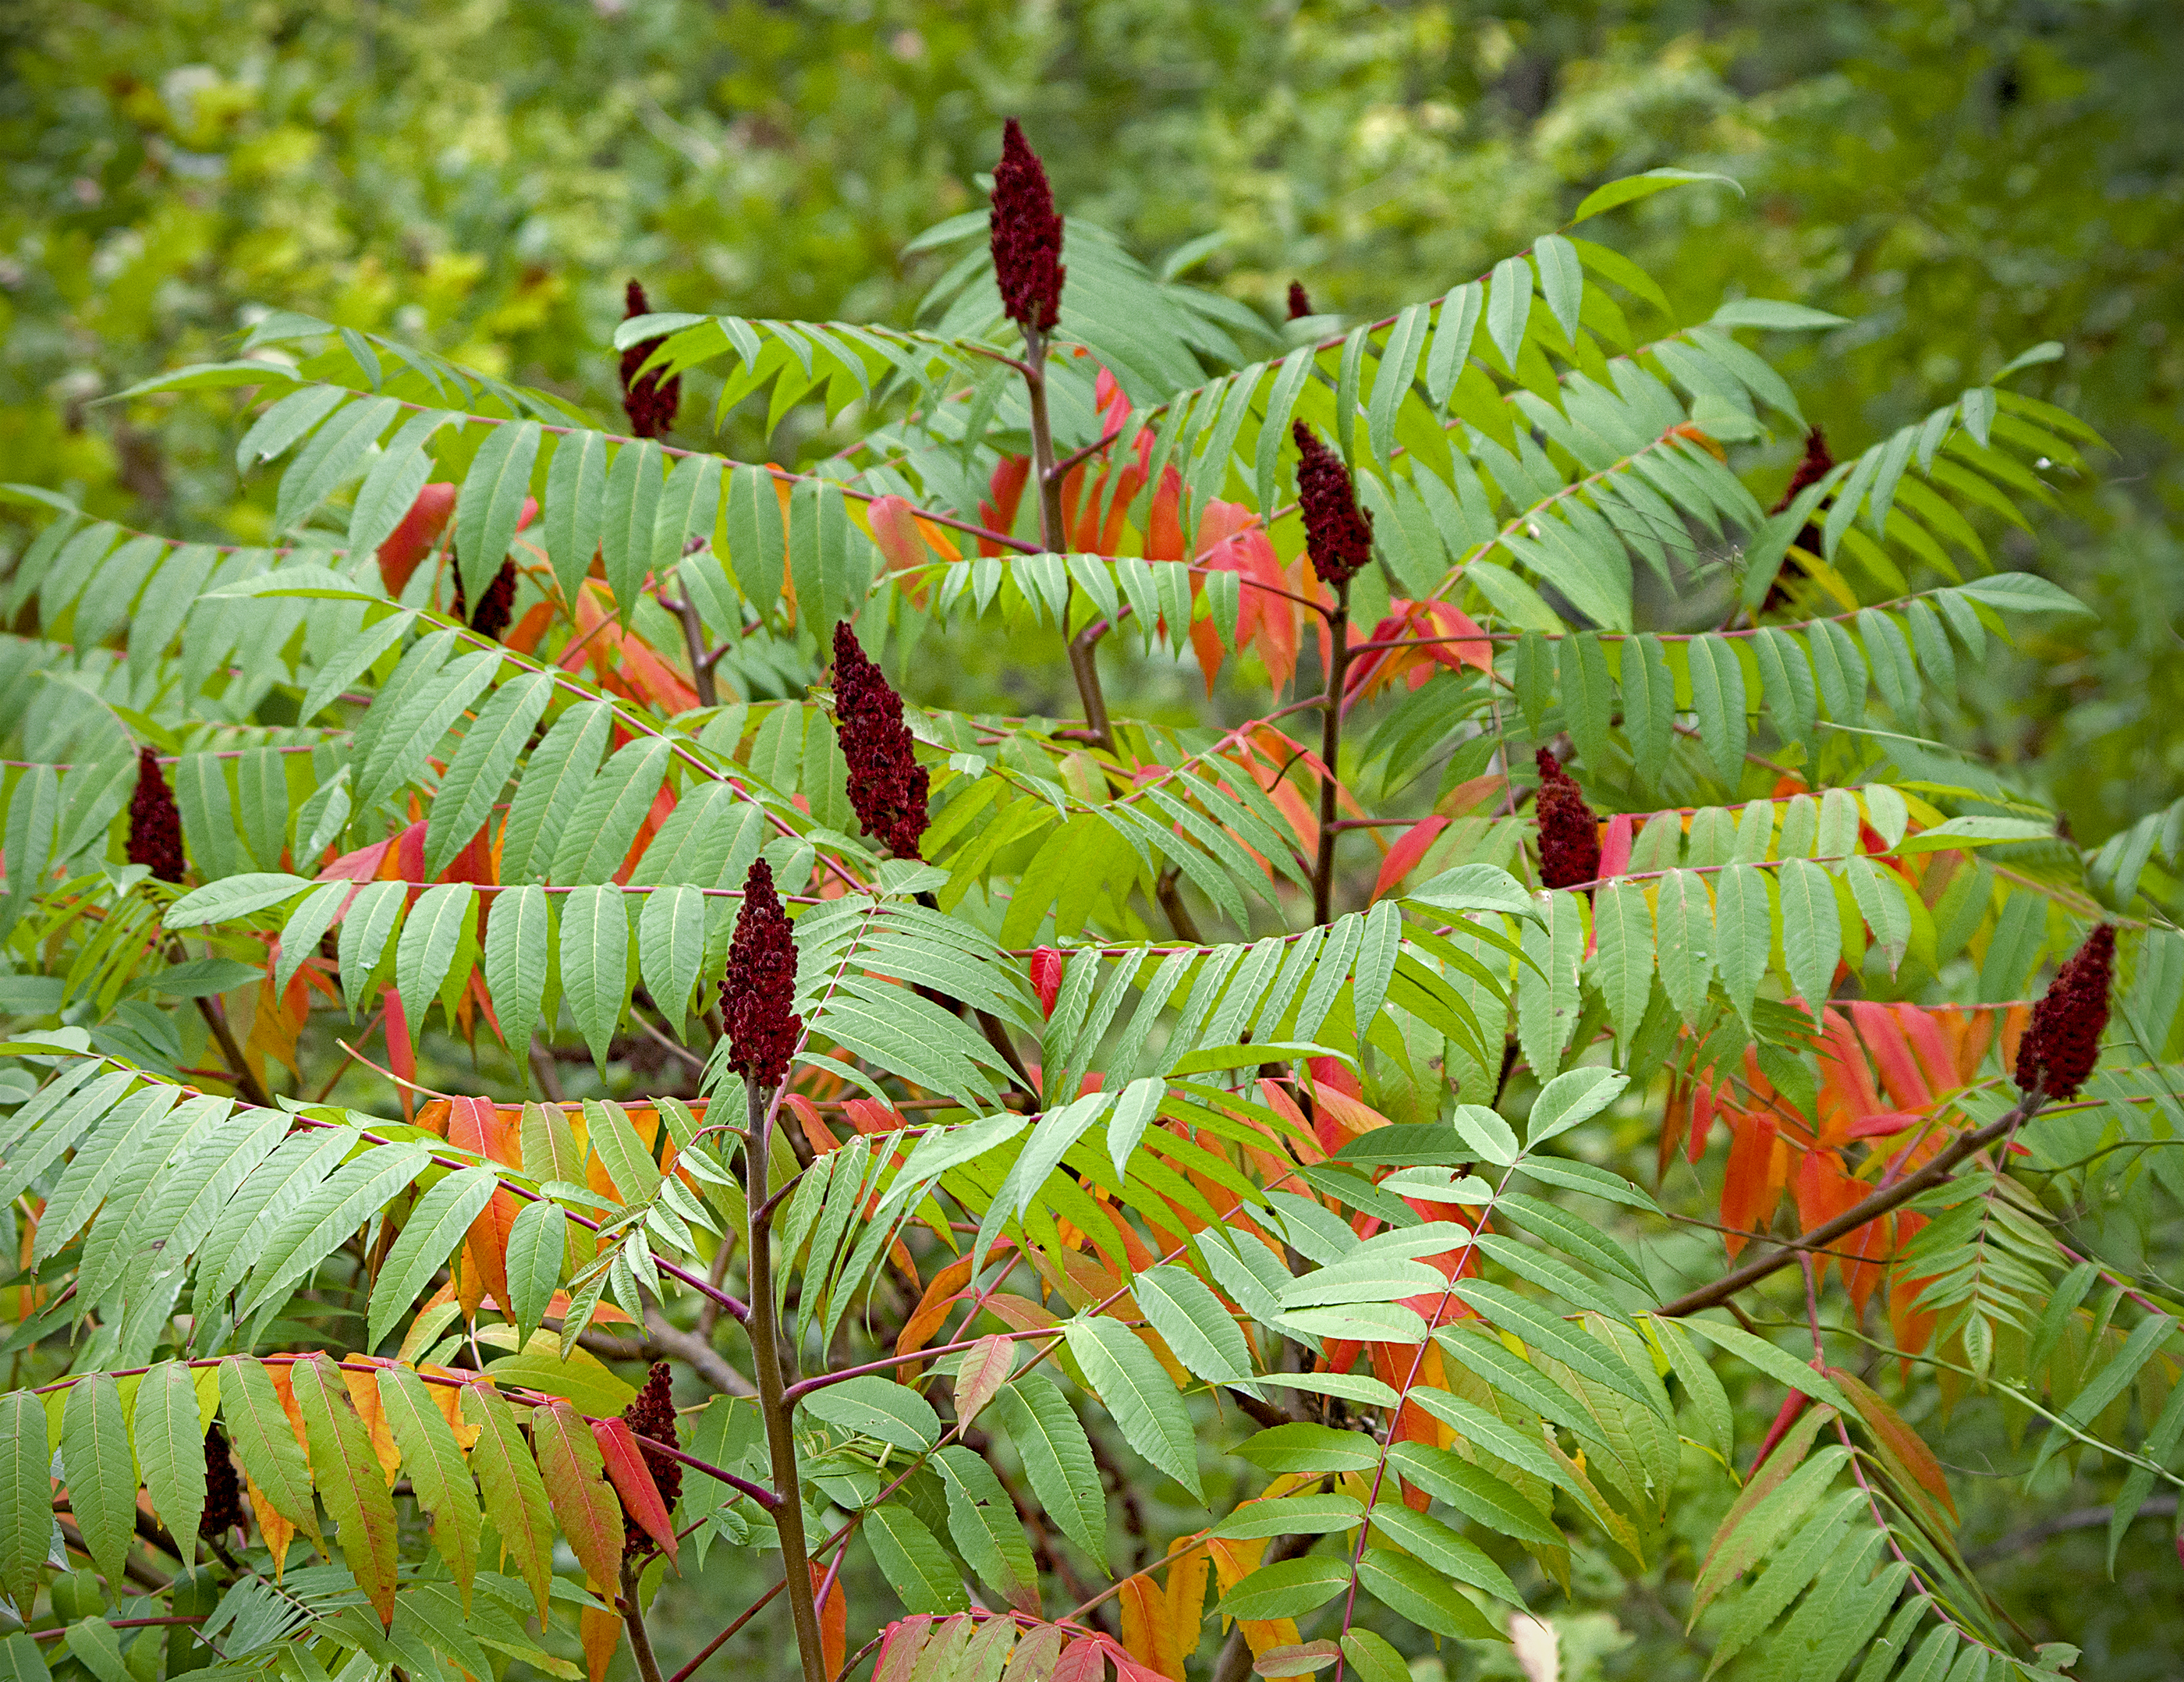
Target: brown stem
(640,1642)
(765,1360)
(694,644)
(1170,894)
(1872,1208)
(1330,745)
(246,1077)
(1046,480)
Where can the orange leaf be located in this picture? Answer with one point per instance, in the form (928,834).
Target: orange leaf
(275,1531)
(1186,1595)
(633,1482)
(1883,1034)
(1745,1203)
(364,1396)
(570,1462)
(1148,1630)
(1902,1444)
(475,1124)
(600,1632)
(833,1620)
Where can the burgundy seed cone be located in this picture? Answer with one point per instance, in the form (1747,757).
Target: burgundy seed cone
(760,985)
(155,825)
(649,402)
(1815,465)
(652,1414)
(223,1503)
(1569,830)
(493,612)
(1337,534)
(887,785)
(2062,1041)
(1026,236)
(1299,300)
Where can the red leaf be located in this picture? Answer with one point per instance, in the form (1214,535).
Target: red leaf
(985,1368)
(632,1480)
(1046,977)
(1403,857)
(476,1124)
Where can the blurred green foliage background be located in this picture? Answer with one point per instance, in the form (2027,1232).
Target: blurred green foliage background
(1964,178)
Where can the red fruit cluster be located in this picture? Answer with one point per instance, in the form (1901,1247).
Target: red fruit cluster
(887,785)
(761,984)
(1815,466)
(494,611)
(223,1504)
(1569,830)
(1299,300)
(1026,235)
(1337,534)
(650,401)
(155,826)
(2062,1041)
(652,1414)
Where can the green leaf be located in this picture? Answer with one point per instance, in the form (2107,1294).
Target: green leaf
(515,1494)
(1474,1491)
(1288,1588)
(480,769)
(349,1478)
(1718,697)
(1508,306)
(1569,1099)
(519,943)
(1301,1514)
(576,499)
(538,1242)
(26,1509)
(2024,592)
(911,1562)
(1043,1428)
(1414,1591)
(559,770)
(438,1473)
(573,1471)
(599,832)
(1446,1550)
(491,501)
(1191,1320)
(167,1429)
(264,1442)
(1552,1336)
(426,950)
(1623,968)
(874,1407)
(1135,1390)
(308,1234)
(1628,188)
(1685,946)
(101,1474)
(670,946)
(434,1226)
(1743,930)
(232,897)
(595,963)
(1812,929)
(1306,1447)
(1774,314)
(622,1151)
(1782,1368)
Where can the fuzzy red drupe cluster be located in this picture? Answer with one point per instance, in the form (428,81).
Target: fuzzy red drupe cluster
(1026,236)
(1337,533)
(652,1414)
(1569,830)
(887,785)
(155,825)
(2064,1038)
(761,984)
(650,401)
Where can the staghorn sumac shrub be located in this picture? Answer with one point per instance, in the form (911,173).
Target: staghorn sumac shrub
(1156,1193)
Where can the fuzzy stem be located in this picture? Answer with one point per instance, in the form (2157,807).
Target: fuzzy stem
(640,1639)
(1046,480)
(765,1360)
(1330,745)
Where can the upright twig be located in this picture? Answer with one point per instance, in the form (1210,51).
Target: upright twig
(766,1363)
(1330,746)
(633,1611)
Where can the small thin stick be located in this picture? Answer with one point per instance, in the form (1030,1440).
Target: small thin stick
(1330,744)
(640,1642)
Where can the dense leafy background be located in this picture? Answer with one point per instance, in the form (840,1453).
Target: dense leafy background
(1961,180)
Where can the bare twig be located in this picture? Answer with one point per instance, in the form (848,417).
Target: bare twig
(1872,1208)
(1330,744)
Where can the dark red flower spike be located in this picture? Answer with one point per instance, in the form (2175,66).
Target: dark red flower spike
(760,985)
(1569,830)
(887,785)
(1026,235)
(2062,1041)
(649,402)
(1337,533)
(155,825)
